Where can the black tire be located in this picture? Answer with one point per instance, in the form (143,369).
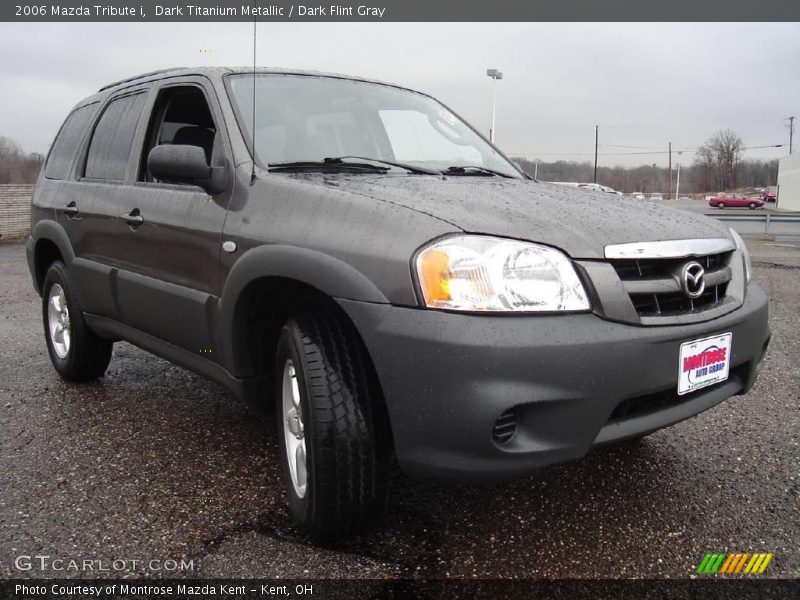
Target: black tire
(345,435)
(87,355)
(752,206)
(721,205)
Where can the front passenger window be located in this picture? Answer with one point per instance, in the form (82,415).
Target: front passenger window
(180,116)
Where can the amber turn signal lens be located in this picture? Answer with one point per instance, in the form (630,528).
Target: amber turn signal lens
(434,271)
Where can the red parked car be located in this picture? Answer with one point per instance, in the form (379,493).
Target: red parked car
(735,200)
(770,193)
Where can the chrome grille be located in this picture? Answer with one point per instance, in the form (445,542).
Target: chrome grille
(655,289)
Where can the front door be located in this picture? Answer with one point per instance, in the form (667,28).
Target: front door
(169,238)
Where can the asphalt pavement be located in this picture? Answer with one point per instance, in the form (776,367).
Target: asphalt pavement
(153,463)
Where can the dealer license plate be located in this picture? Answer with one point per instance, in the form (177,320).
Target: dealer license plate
(704,362)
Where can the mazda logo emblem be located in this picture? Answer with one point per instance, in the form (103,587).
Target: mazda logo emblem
(693,280)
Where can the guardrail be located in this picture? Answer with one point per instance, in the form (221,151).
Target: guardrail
(773,224)
(768,219)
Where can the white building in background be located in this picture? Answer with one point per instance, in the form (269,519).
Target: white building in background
(789,183)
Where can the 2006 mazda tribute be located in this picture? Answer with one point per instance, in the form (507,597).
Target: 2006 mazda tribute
(357,255)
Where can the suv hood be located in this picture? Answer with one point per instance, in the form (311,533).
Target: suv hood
(579,222)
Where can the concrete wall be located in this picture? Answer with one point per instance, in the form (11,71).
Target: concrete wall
(789,183)
(15,211)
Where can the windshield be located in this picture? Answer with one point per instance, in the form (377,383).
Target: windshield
(303,118)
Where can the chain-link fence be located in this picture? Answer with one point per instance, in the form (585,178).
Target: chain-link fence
(15,211)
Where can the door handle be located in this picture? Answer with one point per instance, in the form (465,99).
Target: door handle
(70,209)
(133,218)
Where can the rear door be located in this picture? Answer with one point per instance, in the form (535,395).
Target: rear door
(57,192)
(169,239)
(91,204)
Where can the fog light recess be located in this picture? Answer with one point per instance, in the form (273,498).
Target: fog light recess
(505,427)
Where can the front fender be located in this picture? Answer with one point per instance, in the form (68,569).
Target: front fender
(329,275)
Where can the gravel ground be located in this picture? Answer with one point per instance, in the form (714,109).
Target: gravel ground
(153,462)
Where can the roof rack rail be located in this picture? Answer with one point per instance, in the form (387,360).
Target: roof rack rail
(142,76)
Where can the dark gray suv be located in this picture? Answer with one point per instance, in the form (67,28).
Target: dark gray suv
(357,257)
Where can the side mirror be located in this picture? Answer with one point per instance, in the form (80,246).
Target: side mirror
(186,164)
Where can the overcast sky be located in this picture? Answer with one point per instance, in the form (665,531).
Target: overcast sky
(643,84)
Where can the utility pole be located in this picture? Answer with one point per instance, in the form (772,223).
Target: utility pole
(669,185)
(678,182)
(596,138)
(791,133)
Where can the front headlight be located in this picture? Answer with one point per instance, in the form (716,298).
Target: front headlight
(741,247)
(481,273)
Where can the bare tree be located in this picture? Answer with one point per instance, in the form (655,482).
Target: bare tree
(15,165)
(719,160)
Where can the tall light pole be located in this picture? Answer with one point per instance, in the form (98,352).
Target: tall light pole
(669,181)
(678,182)
(495,75)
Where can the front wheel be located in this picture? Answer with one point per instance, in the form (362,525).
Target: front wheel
(721,205)
(76,352)
(332,435)
(752,206)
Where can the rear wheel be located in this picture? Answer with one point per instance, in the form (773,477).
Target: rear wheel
(75,351)
(333,438)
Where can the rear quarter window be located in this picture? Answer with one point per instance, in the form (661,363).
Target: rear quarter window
(112,140)
(67,141)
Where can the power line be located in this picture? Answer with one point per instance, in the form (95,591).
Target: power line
(625,146)
(524,154)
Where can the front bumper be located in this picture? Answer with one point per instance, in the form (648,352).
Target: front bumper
(447,377)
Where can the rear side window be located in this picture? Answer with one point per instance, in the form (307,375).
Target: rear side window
(69,137)
(112,140)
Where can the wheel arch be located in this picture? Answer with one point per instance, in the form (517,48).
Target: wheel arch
(267,283)
(51,243)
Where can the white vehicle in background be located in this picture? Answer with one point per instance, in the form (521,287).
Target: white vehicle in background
(596,187)
(637,195)
(565,183)
(656,196)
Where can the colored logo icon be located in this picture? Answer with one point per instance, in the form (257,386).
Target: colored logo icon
(721,563)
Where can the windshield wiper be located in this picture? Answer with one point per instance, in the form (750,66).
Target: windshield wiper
(337,163)
(474,170)
(379,161)
(326,165)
